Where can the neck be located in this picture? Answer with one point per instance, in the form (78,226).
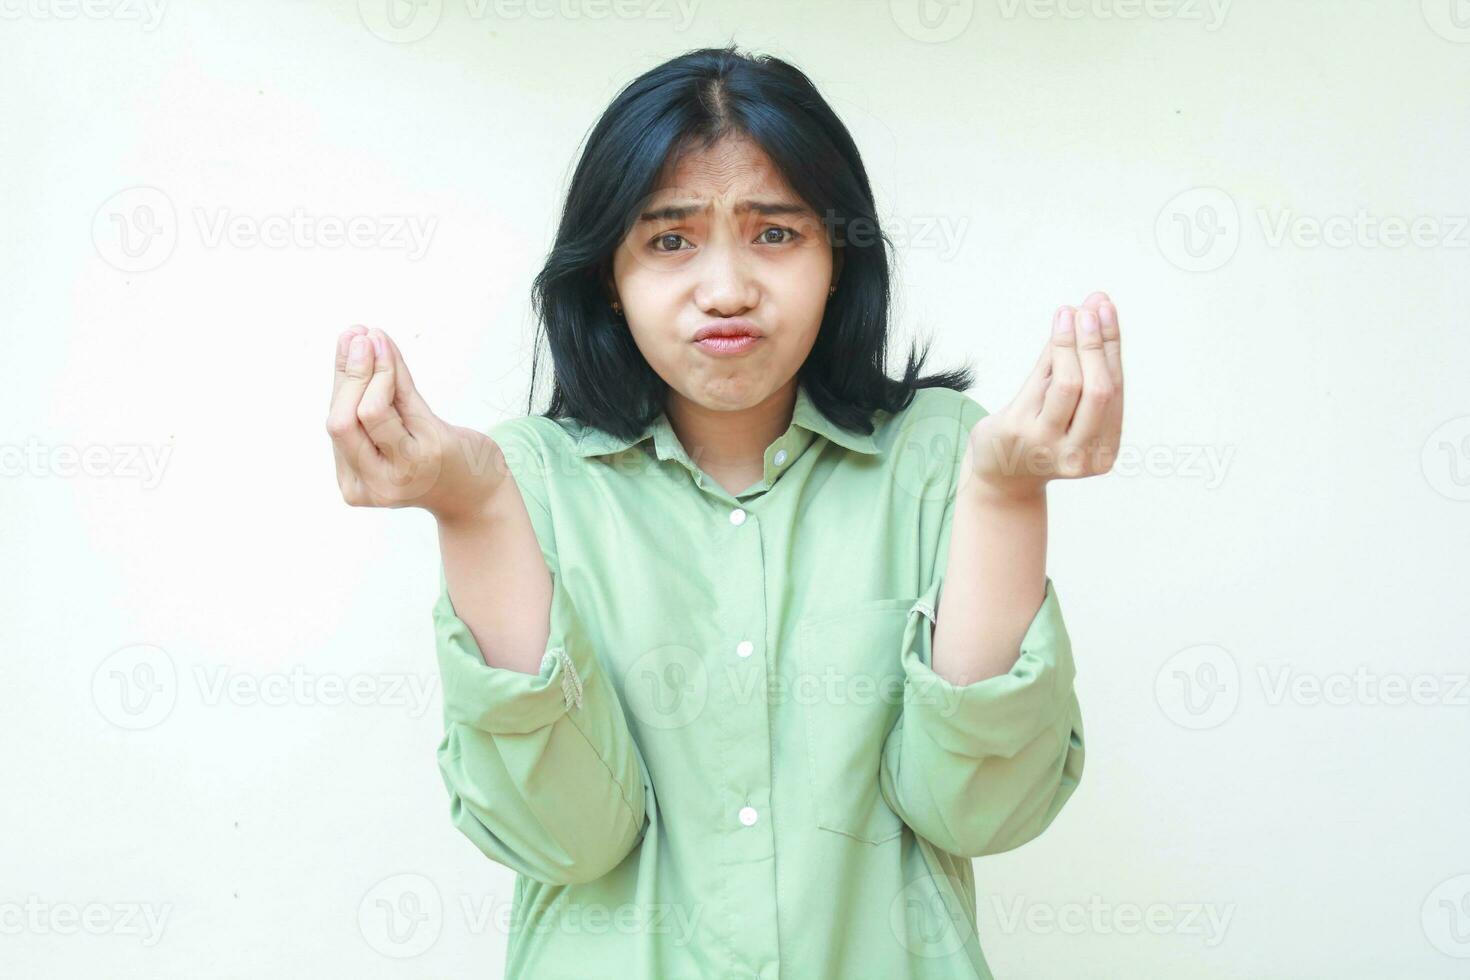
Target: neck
(723,439)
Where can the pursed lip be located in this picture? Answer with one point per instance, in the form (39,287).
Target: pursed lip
(737,327)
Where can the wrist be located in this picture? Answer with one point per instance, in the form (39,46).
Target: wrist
(1005,493)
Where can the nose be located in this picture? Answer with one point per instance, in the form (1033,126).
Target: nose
(727,286)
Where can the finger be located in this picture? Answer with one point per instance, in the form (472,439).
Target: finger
(343,424)
(343,339)
(1113,351)
(1112,342)
(1028,399)
(1066,375)
(376,411)
(1097,384)
(410,403)
(1094,300)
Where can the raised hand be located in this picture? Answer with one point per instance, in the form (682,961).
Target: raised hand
(391,450)
(1067,420)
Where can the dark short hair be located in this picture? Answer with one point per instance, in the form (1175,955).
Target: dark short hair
(600,378)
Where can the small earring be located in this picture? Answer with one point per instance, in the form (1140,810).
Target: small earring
(618,308)
(832,291)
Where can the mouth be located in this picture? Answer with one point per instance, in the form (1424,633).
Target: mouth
(728,337)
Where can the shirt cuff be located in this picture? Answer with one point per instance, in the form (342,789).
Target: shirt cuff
(996,716)
(501,700)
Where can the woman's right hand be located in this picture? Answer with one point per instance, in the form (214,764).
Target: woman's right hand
(391,450)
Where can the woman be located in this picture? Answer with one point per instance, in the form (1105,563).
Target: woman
(703,690)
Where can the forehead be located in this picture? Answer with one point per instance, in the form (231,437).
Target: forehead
(735,164)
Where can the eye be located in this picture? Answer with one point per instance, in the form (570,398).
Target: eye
(791,235)
(660,240)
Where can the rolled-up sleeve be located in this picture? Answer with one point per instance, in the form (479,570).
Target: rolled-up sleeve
(985,767)
(542,771)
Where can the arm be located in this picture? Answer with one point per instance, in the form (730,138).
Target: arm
(542,771)
(541,768)
(989,746)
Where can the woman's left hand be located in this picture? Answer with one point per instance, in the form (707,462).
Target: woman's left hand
(1067,420)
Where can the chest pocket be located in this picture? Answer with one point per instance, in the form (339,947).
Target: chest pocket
(850,688)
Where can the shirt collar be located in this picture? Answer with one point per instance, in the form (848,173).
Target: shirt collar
(596,442)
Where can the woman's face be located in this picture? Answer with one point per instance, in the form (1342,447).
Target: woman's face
(724,241)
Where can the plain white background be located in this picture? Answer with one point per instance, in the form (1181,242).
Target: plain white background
(221,701)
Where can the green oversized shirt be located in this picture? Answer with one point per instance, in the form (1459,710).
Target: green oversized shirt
(735,760)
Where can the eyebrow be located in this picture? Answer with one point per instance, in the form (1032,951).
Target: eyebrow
(678,212)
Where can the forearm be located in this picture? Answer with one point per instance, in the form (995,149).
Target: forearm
(499,583)
(994,582)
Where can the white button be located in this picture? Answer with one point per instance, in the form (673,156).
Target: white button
(746,648)
(780,457)
(737,516)
(747,815)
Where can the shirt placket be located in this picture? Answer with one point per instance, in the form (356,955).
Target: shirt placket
(744,841)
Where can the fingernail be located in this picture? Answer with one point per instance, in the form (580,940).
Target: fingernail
(1063,325)
(357,353)
(380,347)
(1089,322)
